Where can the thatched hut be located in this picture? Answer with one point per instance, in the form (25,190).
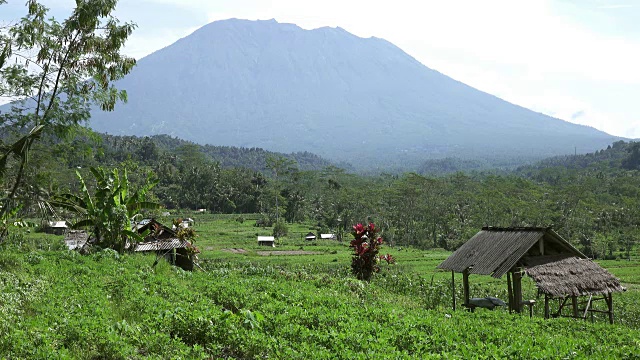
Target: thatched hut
(559,270)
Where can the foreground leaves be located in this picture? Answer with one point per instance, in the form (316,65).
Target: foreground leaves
(119,307)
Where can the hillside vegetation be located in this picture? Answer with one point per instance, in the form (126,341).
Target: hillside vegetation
(591,199)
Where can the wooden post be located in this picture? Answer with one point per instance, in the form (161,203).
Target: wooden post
(453,289)
(574,305)
(517,290)
(465,286)
(510,292)
(586,308)
(541,243)
(609,299)
(546,306)
(561,306)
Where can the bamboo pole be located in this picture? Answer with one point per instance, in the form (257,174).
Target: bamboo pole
(510,292)
(517,290)
(610,306)
(586,309)
(465,286)
(453,289)
(546,306)
(561,305)
(574,305)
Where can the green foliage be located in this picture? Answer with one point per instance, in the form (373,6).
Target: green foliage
(110,211)
(280,229)
(632,161)
(61,69)
(118,306)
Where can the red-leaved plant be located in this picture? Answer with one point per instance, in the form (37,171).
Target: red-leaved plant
(366,245)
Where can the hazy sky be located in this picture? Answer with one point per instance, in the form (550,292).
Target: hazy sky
(576,60)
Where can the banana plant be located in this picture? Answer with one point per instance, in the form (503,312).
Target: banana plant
(112,208)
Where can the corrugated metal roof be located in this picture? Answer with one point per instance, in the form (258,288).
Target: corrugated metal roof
(75,244)
(266,238)
(75,239)
(58,224)
(161,245)
(494,251)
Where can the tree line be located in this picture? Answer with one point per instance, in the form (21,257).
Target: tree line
(593,200)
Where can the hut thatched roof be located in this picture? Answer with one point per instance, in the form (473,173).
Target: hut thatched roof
(494,251)
(561,276)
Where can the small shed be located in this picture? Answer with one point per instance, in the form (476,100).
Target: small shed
(163,241)
(76,239)
(327,236)
(310,236)
(185,223)
(267,241)
(559,270)
(57,227)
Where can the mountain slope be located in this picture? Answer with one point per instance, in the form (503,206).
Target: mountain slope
(282,88)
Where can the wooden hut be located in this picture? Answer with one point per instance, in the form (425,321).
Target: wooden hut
(163,241)
(76,239)
(559,270)
(267,241)
(57,227)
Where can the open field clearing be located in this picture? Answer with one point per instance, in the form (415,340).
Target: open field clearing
(244,305)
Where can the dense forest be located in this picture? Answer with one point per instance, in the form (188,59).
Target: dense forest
(591,199)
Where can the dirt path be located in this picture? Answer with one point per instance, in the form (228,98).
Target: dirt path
(235,250)
(287,252)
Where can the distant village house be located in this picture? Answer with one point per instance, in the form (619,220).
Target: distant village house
(267,241)
(56,227)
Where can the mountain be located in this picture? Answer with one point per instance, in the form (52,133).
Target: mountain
(282,88)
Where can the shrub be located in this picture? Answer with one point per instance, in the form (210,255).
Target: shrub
(364,262)
(280,229)
(264,221)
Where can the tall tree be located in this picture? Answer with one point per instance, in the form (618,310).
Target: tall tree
(280,166)
(55,72)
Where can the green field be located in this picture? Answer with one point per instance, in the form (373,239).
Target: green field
(247,304)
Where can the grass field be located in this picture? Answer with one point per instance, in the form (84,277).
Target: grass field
(56,303)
